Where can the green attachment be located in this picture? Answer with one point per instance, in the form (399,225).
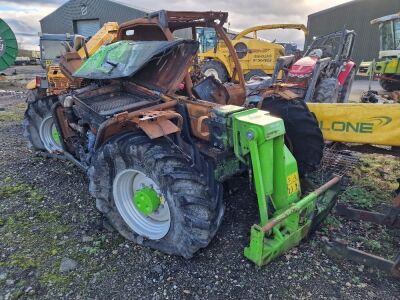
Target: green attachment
(146,200)
(389,66)
(8,46)
(285,218)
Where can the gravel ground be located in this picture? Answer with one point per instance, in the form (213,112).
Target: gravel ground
(53,243)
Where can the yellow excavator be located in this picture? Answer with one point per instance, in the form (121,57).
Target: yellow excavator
(256,56)
(51,46)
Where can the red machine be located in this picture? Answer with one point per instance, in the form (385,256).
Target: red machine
(325,73)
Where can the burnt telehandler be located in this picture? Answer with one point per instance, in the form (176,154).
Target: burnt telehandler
(156,157)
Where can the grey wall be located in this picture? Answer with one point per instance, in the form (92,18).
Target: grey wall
(355,15)
(61,20)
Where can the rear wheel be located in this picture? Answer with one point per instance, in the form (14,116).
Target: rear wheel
(390,85)
(214,68)
(153,196)
(303,135)
(39,126)
(327,91)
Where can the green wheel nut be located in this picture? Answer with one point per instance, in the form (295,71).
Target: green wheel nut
(55,135)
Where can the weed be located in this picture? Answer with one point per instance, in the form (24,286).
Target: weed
(90,250)
(332,222)
(54,279)
(23,261)
(10,116)
(48,216)
(373,244)
(6,191)
(359,197)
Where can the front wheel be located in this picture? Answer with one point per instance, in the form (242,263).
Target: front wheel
(152,195)
(214,68)
(327,91)
(303,135)
(390,83)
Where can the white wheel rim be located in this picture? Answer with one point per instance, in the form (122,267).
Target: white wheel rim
(46,131)
(154,226)
(212,72)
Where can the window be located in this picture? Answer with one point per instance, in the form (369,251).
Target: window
(87,28)
(387,37)
(396,26)
(51,49)
(207,38)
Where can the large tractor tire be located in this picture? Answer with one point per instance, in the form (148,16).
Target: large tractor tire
(390,85)
(214,68)
(327,91)
(303,135)
(346,89)
(39,127)
(153,196)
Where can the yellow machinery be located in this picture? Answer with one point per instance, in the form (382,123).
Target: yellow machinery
(363,123)
(55,81)
(256,56)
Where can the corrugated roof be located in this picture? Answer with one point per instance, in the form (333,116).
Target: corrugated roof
(109,1)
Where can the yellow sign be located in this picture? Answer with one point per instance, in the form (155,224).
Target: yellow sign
(377,124)
(293,183)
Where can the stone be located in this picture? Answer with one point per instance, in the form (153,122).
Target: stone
(10,282)
(3,275)
(67,265)
(157,269)
(87,239)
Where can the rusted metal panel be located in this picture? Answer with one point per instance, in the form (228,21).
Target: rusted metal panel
(69,63)
(198,116)
(124,121)
(158,123)
(391,218)
(212,90)
(340,249)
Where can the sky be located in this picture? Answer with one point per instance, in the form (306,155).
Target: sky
(23,15)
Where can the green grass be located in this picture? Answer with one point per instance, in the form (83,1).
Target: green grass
(23,261)
(30,192)
(373,181)
(54,278)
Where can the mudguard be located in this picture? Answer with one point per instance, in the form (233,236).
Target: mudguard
(350,65)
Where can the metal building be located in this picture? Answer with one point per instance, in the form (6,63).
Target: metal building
(356,15)
(86,17)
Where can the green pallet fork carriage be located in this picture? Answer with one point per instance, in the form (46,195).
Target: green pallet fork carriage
(285,218)
(8,46)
